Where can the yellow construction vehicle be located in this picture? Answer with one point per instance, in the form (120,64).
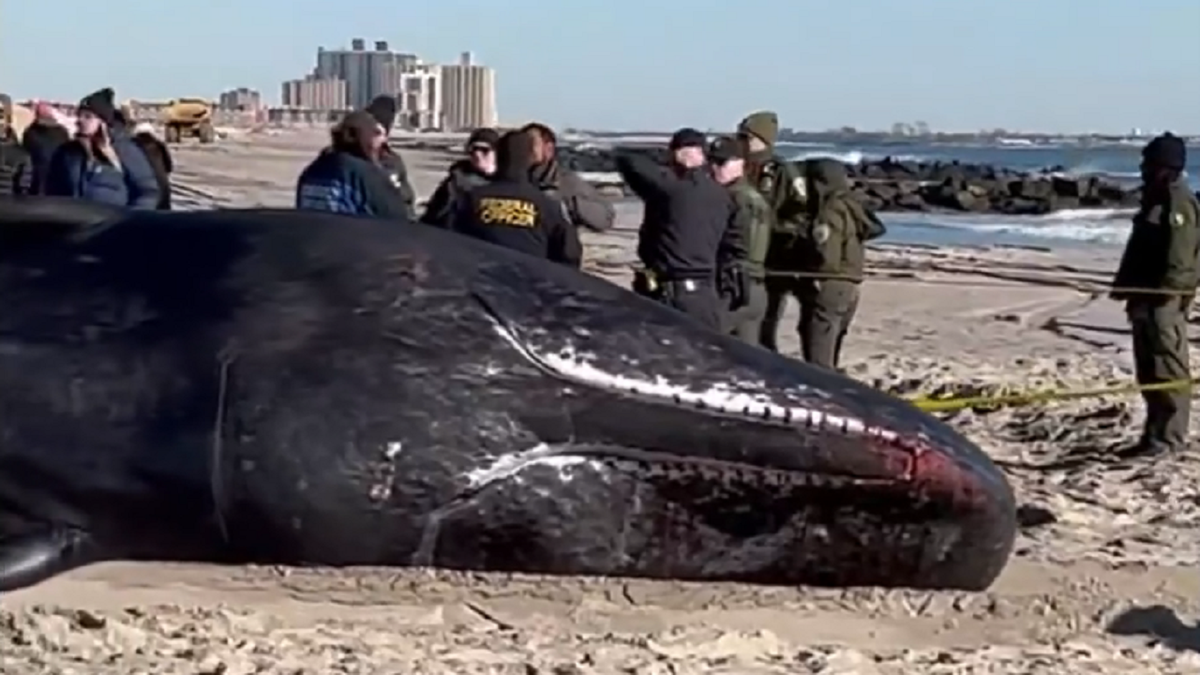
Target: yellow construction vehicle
(186,117)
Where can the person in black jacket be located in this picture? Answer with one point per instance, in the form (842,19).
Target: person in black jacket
(40,140)
(346,177)
(689,223)
(472,171)
(511,211)
(160,160)
(383,109)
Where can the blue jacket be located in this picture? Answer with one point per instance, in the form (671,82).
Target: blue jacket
(338,182)
(72,174)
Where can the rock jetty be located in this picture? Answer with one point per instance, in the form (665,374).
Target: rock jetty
(892,185)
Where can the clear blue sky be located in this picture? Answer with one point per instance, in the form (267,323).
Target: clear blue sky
(1047,65)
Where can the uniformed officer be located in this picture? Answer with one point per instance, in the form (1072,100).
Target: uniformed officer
(688,226)
(472,171)
(783,187)
(833,251)
(1161,254)
(747,291)
(511,210)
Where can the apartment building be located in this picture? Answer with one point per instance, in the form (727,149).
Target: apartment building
(241,98)
(367,73)
(468,95)
(449,97)
(420,98)
(315,93)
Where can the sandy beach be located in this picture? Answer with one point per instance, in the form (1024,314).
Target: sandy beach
(1104,579)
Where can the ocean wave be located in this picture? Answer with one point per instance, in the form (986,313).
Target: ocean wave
(1095,226)
(856,156)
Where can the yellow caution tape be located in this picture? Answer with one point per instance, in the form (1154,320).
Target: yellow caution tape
(996,401)
(953,404)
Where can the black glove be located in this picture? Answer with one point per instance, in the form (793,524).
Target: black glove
(646,284)
(735,286)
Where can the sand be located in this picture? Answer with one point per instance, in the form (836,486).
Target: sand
(1103,581)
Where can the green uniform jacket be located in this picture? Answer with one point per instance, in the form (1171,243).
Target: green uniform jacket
(784,188)
(835,243)
(756,219)
(780,183)
(1163,245)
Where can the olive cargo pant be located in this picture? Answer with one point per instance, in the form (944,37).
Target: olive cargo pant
(1160,354)
(778,290)
(826,310)
(745,322)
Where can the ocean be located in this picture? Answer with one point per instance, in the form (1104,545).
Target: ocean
(1070,228)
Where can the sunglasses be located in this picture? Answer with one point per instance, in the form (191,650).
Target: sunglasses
(481,149)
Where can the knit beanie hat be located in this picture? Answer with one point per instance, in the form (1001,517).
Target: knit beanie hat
(383,109)
(1167,150)
(763,124)
(101,104)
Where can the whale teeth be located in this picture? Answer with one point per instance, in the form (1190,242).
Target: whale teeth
(573,366)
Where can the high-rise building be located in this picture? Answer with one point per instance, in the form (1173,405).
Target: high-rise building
(241,98)
(420,98)
(367,74)
(315,93)
(468,95)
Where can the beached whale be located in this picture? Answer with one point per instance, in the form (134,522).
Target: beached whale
(282,387)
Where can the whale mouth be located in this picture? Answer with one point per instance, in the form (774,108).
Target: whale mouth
(714,402)
(650,464)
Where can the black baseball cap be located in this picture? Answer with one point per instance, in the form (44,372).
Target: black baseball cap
(484,137)
(688,137)
(726,148)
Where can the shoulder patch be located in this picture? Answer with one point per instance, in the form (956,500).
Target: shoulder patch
(1178,219)
(767,183)
(801,187)
(821,232)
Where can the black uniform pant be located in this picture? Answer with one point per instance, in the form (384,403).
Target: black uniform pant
(695,297)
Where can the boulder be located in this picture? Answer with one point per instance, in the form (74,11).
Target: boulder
(892,185)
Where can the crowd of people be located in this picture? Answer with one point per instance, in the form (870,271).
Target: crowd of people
(106,158)
(731,230)
(715,221)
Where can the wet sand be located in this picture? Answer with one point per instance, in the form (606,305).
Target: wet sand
(1104,579)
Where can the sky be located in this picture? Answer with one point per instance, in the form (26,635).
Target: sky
(1026,65)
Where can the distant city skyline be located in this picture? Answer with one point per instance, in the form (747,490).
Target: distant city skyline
(1106,66)
(445,96)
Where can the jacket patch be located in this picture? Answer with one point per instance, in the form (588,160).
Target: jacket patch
(509,212)
(1177,219)
(801,187)
(821,233)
